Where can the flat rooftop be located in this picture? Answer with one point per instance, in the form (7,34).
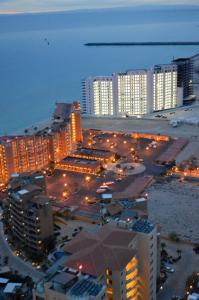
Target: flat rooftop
(134,189)
(93,151)
(191,150)
(143,226)
(86,287)
(79,161)
(174,149)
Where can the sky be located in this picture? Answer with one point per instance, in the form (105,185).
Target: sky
(24,6)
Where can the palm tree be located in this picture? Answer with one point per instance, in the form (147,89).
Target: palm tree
(179,252)
(163,245)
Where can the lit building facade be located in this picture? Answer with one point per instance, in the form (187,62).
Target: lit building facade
(36,150)
(29,212)
(133,93)
(80,165)
(122,261)
(188,77)
(165,91)
(98,96)
(20,154)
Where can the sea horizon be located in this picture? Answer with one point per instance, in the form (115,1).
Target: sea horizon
(35,74)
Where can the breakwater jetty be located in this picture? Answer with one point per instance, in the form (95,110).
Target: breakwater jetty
(183,43)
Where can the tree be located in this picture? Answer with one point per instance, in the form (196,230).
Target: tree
(163,245)
(179,252)
(117,156)
(174,236)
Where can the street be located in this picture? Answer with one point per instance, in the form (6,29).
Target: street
(15,262)
(175,284)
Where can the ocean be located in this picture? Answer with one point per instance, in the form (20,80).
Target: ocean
(43,58)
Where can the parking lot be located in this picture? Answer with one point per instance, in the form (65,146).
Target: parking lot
(79,189)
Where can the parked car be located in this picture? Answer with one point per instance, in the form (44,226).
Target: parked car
(169,269)
(196,249)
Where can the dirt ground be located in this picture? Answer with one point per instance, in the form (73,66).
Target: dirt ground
(175,206)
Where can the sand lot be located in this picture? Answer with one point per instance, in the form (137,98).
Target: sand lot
(141,125)
(175,206)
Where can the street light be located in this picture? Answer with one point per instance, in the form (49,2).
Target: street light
(87,178)
(80,267)
(64,175)
(64,194)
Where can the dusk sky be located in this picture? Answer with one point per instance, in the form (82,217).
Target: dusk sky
(15,6)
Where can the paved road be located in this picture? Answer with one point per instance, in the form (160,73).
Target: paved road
(175,284)
(15,262)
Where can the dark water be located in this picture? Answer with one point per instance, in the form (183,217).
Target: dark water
(35,74)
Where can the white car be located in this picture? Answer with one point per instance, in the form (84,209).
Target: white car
(109,183)
(105,187)
(100,191)
(169,269)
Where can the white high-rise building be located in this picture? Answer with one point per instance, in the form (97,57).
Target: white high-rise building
(133,93)
(165,89)
(98,96)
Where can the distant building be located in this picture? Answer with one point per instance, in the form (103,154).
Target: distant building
(188,76)
(30,214)
(184,76)
(98,96)
(119,262)
(133,93)
(35,150)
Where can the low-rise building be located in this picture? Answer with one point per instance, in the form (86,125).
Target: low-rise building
(81,165)
(93,153)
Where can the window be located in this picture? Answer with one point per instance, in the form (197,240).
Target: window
(108,272)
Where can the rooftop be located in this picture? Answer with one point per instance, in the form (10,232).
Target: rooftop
(170,154)
(81,161)
(63,278)
(109,248)
(114,208)
(11,287)
(64,110)
(143,226)
(86,287)
(134,189)
(93,151)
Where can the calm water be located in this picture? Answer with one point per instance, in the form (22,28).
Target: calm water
(34,75)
